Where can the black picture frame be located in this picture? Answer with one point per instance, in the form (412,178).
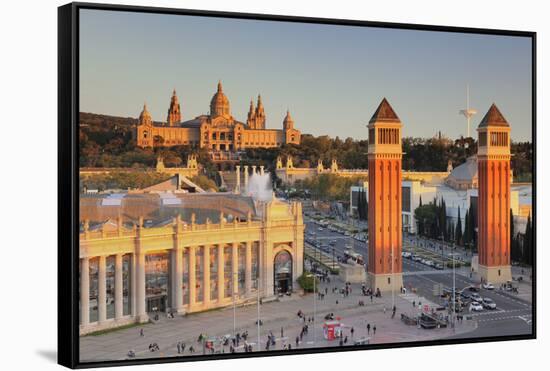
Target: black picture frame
(68,170)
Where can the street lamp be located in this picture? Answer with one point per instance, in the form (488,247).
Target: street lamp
(392,279)
(314,305)
(258,292)
(234,293)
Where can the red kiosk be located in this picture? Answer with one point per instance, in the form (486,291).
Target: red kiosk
(332,330)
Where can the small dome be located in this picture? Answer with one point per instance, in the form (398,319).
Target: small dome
(219,105)
(145,117)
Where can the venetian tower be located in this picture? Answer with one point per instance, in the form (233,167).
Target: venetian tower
(174,111)
(384,218)
(493,211)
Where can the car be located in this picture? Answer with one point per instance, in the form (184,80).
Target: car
(320,229)
(488,286)
(475,297)
(473,288)
(438,266)
(488,303)
(464,296)
(475,307)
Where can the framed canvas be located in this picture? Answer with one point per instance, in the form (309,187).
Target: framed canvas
(240,185)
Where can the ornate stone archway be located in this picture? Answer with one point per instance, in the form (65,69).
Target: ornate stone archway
(282,272)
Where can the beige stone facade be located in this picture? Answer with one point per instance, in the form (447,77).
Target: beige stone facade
(133,267)
(218,131)
(290,174)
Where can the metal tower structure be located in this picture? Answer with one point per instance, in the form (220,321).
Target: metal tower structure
(468,112)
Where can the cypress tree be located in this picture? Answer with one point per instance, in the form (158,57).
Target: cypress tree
(458,231)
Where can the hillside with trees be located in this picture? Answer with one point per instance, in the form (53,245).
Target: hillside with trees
(108,141)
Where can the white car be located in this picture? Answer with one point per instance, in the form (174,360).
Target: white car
(476,307)
(488,286)
(488,303)
(475,297)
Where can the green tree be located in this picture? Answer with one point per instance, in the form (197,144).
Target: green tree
(458,231)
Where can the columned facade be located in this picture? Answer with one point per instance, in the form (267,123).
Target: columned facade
(493,159)
(384,220)
(208,265)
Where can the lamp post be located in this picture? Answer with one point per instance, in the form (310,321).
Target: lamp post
(392,279)
(234,294)
(258,291)
(314,305)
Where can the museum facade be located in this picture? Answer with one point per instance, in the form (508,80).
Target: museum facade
(143,254)
(217,131)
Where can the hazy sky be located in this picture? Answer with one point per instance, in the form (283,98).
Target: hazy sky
(331,78)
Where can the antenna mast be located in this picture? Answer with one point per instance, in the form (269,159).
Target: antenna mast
(468,112)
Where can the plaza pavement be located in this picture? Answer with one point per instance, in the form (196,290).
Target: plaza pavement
(283,313)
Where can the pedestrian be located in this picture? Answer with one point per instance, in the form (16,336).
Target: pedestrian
(414,303)
(297,341)
(374,330)
(352,331)
(368,328)
(282,332)
(179,347)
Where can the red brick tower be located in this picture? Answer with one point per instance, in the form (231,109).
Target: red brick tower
(493,211)
(384,218)
(174,112)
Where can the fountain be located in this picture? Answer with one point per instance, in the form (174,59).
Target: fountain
(259,187)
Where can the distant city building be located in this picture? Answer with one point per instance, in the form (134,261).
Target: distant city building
(218,131)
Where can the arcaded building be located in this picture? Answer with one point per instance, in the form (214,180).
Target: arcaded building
(217,131)
(147,253)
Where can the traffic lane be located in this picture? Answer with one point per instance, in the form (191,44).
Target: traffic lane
(425,285)
(514,325)
(326,235)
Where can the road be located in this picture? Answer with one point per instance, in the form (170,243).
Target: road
(512,316)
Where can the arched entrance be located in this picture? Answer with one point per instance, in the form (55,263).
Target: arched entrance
(282,271)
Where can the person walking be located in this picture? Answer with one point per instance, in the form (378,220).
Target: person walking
(352,331)
(282,332)
(141,332)
(368,328)
(374,330)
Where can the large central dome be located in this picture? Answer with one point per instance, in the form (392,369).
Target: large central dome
(219,105)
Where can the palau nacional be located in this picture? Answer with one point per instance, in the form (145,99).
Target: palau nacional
(173,247)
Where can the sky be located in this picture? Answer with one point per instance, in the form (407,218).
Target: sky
(330,77)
